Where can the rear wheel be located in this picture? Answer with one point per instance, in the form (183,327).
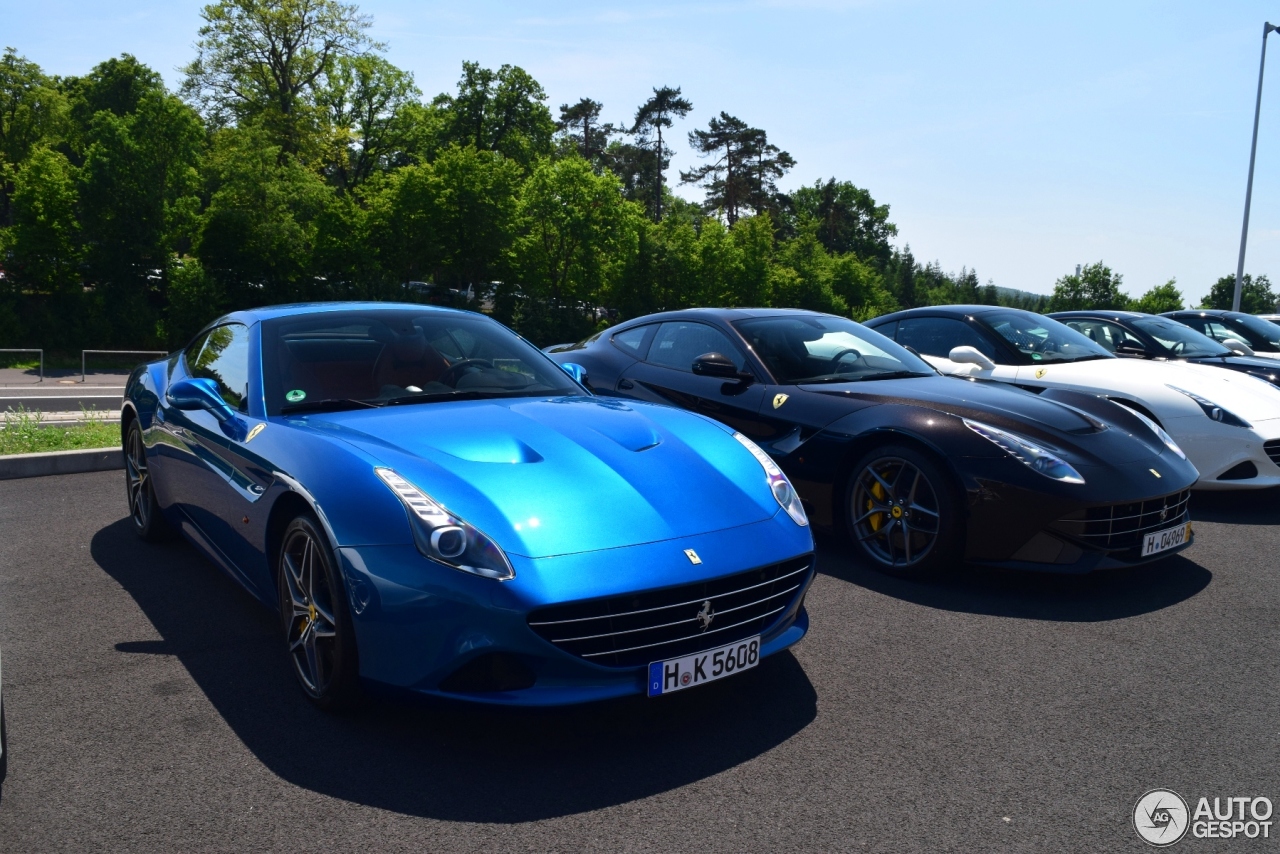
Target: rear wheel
(148,522)
(903,513)
(313,612)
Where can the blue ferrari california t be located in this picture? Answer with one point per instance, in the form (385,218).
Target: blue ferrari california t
(434,505)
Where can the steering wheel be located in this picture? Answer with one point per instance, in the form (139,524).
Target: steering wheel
(447,375)
(1178,347)
(835,360)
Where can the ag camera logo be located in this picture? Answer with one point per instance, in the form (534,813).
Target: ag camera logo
(1160,817)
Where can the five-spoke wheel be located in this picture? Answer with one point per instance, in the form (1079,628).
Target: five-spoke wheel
(312,609)
(148,521)
(901,511)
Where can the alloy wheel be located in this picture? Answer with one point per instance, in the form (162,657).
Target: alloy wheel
(138,479)
(311,628)
(896,515)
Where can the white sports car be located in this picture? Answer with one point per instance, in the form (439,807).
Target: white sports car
(1227,423)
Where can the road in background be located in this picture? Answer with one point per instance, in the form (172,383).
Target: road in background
(62,392)
(150,708)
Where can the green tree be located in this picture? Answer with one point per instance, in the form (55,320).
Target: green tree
(502,111)
(578,232)
(849,220)
(32,112)
(737,178)
(1256,296)
(257,61)
(366,104)
(1094,287)
(653,116)
(804,274)
(583,131)
(1160,299)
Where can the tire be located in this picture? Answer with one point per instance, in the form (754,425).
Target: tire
(319,639)
(148,522)
(4,745)
(903,513)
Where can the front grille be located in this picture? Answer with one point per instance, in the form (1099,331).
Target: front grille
(635,629)
(1272,448)
(1118,527)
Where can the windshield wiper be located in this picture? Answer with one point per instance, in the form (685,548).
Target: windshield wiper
(333,404)
(435,397)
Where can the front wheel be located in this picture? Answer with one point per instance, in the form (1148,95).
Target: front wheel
(313,612)
(902,512)
(148,522)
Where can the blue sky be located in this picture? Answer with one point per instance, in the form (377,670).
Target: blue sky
(1015,138)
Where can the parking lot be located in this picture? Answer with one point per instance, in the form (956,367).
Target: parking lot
(150,709)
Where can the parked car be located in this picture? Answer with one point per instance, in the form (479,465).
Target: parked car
(1137,335)
(1227,423)
(919,470)
(4,734)
(1261,336)
(434,505)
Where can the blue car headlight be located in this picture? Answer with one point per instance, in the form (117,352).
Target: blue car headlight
(1159,431)
(1035,457)
(1213,410)
(782,490)
(443,537)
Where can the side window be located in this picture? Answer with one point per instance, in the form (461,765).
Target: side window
(1108,335)
(935,336)
(1197,323)
(224,358)
(679,342)
(635,342)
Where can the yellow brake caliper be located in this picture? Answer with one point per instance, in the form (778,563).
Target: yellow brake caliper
(875,520)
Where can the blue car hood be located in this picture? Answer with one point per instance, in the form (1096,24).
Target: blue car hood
(546,477)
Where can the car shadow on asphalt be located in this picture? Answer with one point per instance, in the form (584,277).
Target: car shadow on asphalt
(1094,597)
(1240,507)
(450,761)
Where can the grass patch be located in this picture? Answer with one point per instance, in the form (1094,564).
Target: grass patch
(26,432)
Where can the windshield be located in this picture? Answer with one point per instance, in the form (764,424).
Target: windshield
(336,360)
(1181,341)
(1043,339)
(806,349)
(1264,330)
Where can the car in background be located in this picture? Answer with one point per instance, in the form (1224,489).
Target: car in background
(1228,423)
(1261,336)
(1134,334)
(431,504)
(921,471)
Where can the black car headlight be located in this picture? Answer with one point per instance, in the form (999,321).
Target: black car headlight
(1159,431)
(443,537)
(783,492)
(1213,410)
(1035,457)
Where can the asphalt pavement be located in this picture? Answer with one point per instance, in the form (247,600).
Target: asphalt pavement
(150,709)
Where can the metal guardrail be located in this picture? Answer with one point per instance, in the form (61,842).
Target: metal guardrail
(28,350)
(84,360)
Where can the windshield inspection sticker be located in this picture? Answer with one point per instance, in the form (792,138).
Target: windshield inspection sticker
(296,395)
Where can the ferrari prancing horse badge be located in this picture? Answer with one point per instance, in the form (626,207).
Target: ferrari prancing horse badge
(779,399)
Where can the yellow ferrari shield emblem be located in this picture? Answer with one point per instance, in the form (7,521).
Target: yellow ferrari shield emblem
(257,428)
(779,399)
(1041,372)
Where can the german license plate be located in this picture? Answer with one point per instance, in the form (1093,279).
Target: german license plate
(676,674)
(1169,538)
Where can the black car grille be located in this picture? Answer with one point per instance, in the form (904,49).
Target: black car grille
(1119,527)
(635,629)
(1272,448)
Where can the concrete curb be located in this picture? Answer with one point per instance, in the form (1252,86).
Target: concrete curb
(60,462)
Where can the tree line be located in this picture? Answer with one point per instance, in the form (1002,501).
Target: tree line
(296,163)
(1096,286)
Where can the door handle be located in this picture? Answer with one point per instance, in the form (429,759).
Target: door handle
(626,384)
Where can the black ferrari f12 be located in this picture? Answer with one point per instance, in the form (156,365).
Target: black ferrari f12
(919,469)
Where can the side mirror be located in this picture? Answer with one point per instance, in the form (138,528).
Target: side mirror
(199,394)
(1237,346)
(715,365)
(576,371)
(967,355)
(1128,348)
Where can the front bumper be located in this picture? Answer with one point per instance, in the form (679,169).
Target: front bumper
(419,624)
(1228,458)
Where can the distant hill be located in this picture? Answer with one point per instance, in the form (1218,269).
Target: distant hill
(1015,294)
